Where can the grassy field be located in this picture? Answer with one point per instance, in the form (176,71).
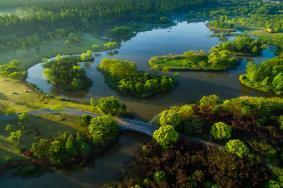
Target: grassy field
(43,126)
(31,56)
(16,96)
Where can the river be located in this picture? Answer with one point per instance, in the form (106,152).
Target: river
(192,86)
(100,171)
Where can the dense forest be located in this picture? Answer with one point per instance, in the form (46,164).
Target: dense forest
(245,132)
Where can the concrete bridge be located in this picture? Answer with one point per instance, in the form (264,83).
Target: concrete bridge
(124,123)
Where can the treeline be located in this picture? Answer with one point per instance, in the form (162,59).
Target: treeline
(267,76)
(220,57)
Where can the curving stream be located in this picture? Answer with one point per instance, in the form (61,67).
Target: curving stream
(176,39)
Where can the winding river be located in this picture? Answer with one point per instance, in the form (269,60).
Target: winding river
(176,39)
(192,85)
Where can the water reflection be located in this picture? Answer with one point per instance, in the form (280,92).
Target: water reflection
(192,85)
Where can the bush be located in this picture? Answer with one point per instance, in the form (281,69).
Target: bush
(170,117)
(111,106)
(63,149)
(159,176)
(237,147)
(103,129)
(221,130)
(85,119)
(165,136)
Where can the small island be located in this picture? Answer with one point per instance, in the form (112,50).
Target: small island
(221,57)
(122,75)
(266,77)
(66,72)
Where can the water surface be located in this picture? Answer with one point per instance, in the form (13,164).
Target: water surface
(192,85)
(97,173)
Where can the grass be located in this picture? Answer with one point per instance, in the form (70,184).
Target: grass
(16,96)
(272,38)
(47,49)
(41,126)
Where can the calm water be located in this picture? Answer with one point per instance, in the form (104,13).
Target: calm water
(96,174)
(192,85)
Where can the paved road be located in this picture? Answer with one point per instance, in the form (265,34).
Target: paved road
(125,124)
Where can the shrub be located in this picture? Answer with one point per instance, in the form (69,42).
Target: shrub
(111,106)
(63,149)
(85,119)
(237,147)
(170,117)
(159,176)
(165,136)
(221,130)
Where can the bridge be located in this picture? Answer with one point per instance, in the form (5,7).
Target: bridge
(124,123)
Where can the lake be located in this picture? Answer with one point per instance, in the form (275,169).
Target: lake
(176,39)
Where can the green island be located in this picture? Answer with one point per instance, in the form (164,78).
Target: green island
(151,129)
(266,77)
(123,76)
(66,73)
(221,57)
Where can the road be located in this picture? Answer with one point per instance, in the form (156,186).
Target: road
(124,123)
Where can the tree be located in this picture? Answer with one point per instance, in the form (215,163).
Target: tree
(159,176)
(277,82)
(237,147)
(221,130)
(210,100)
(103,129)
(170,117)
(165,136)
(111,106)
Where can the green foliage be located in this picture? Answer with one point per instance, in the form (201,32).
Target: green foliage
(66,73)
(110,106)
(103,129)
(123,76)
(219,58)
(85,119)
(12,70)
(221,130)
(22,118)
(210,100)
(16,135)
(87,56)
(165,136)
(111,45)
(159,176)
(237,147)
(170,117)
(267,76)
(121,33)
(63,149)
